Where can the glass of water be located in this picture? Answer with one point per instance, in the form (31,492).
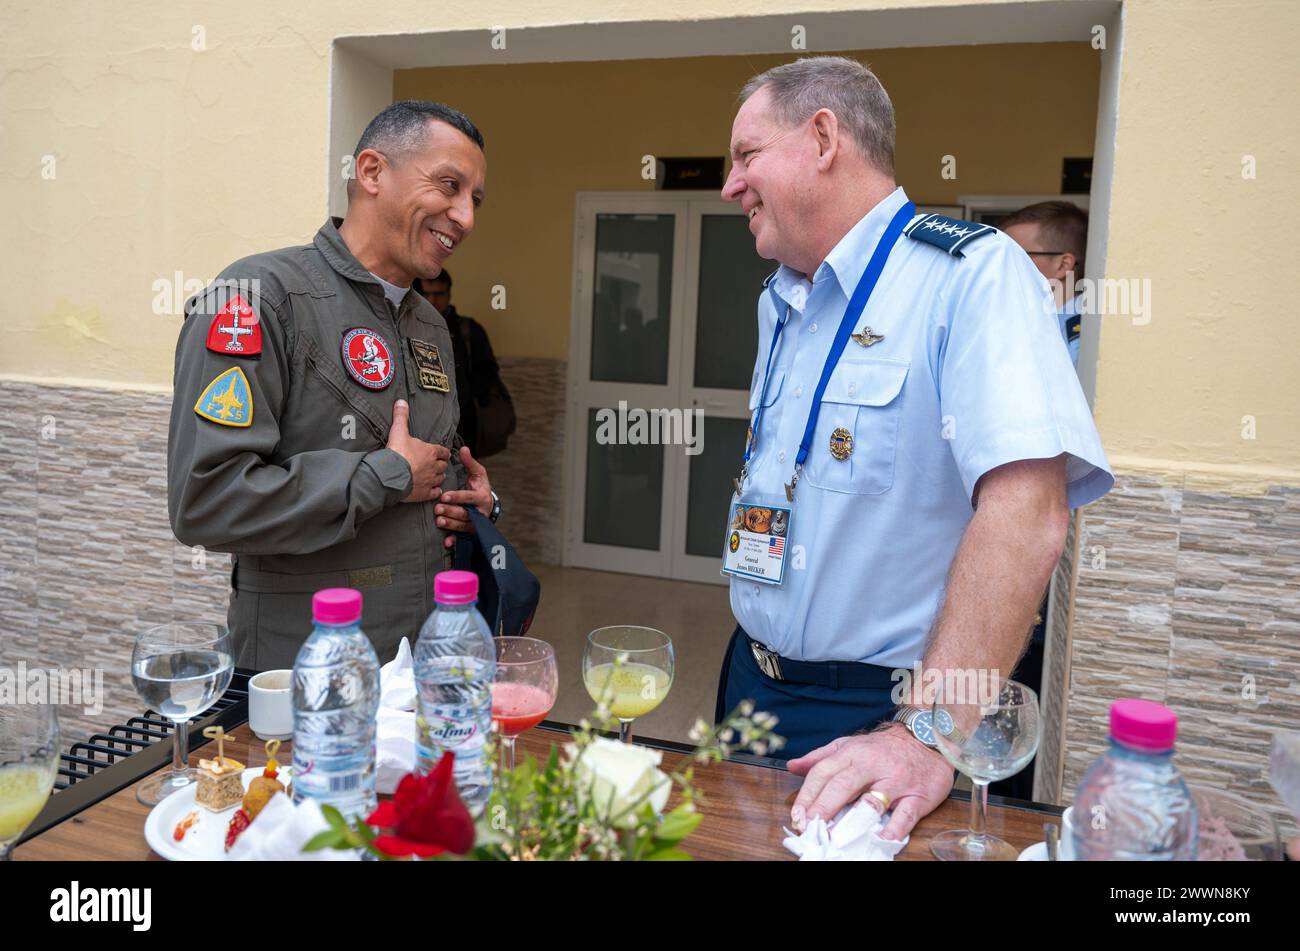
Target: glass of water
(29,763)
(180,670)
(986,742)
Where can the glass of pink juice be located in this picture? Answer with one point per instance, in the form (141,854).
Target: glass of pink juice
(524,690)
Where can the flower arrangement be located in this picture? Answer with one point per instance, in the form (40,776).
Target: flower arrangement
(594,799)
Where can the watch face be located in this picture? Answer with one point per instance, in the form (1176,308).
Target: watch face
(923,727)
(944,723)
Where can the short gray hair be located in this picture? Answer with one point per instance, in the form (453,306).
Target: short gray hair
(846,88)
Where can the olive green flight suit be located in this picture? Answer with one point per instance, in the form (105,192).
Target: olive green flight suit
(306,496)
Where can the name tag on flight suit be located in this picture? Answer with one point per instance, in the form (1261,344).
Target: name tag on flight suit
(755,542)
(429,365)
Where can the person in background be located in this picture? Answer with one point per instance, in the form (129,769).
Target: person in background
(1055,236)
(477,373)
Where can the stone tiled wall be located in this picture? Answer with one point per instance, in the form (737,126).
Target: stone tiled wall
(1190,597)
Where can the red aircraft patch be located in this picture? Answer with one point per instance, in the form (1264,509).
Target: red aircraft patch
(236,331)
(367,358)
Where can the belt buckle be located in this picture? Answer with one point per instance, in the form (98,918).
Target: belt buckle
(769,662)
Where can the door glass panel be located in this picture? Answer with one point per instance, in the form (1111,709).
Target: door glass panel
(632,298)
(624,489)
(731,278)
(710,484)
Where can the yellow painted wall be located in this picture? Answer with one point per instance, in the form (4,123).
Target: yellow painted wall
(553,129)
(170,158)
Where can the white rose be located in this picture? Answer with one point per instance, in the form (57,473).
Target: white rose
(615,775)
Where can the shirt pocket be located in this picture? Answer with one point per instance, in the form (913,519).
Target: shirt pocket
(327,389)
(865,399)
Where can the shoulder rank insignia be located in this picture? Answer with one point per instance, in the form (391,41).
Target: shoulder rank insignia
(227,400)
(947,234)
(235,330)
(1072,328)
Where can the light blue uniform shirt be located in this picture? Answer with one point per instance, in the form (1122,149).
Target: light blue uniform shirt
(970,375)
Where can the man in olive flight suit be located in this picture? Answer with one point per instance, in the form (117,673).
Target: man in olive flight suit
(315,405)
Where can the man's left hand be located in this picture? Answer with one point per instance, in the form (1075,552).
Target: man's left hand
(451,512)
(890,760)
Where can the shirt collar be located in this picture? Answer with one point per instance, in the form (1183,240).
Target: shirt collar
(336,251)
(849,257)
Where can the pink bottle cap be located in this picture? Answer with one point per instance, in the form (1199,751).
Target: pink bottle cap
(1143,725)
(455,587)
(336,606)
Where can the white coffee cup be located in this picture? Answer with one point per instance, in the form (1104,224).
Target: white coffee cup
(270,705)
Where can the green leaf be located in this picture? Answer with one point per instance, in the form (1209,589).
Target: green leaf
(323,840)
(677,825)
(335,819)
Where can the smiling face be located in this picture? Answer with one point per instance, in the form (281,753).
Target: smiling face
(425,201)
(771,170)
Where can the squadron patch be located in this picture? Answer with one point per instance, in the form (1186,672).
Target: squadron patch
(227,400)
(367,358)
(236,331)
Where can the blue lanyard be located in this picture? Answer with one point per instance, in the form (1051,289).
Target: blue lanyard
(857,304)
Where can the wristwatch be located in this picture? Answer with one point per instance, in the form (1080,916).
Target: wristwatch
(920,723)
(496,508)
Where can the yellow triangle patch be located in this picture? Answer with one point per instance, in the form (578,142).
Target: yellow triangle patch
(227,400)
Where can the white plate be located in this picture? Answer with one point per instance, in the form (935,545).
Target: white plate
(206,839)
(1035,853)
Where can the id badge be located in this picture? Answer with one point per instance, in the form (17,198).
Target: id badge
(755,544)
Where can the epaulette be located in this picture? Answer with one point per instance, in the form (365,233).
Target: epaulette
(947,234)
(1072,328)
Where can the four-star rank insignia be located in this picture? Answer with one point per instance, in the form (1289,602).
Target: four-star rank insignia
(429,365)
(236,330)
(841,444)
(227,400)
(367,358)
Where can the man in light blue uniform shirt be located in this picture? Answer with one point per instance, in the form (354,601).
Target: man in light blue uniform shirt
(950,441)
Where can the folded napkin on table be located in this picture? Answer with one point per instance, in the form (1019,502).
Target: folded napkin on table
(395,722)
(853,836)
(280,831)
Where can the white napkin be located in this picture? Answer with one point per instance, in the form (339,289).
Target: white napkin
(853,836)
(280,831)
(395,722)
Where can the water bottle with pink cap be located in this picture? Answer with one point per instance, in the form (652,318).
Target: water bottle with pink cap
(455,664)
(335,702)
(1133,804)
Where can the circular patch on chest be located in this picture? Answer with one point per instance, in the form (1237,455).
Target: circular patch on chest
(368,358)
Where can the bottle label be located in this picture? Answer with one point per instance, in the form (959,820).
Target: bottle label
(450,731)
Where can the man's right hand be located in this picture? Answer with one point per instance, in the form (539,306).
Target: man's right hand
(428,462)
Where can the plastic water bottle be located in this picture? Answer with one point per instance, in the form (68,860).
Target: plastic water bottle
(335,700)
(455,663)
(1133,804)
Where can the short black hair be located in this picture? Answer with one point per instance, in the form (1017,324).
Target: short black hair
(402,127)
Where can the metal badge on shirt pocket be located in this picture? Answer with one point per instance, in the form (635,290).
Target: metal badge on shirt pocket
(429,365)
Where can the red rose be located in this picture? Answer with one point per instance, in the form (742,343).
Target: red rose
(425,816)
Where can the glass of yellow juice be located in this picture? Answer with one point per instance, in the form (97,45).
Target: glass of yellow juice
(29,763)
(629,670)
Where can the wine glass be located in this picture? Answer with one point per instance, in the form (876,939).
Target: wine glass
(986,742)
(29,762)
(628,669)
(524,690)
(179,670)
